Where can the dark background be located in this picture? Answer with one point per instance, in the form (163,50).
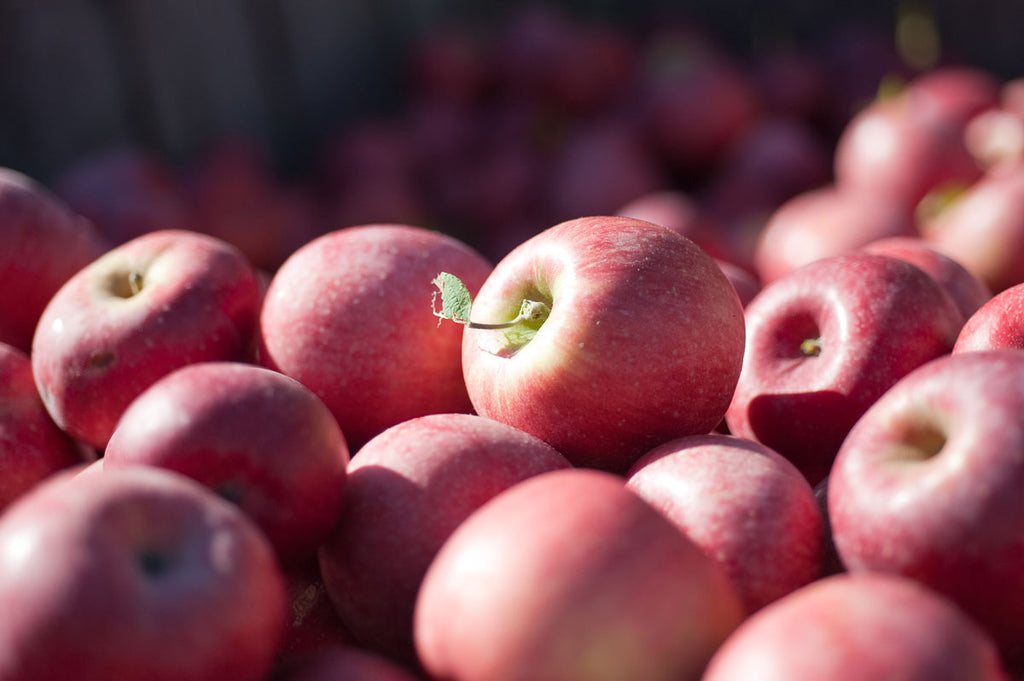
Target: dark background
(79,75)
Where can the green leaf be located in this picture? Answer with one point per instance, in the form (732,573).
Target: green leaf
(456,302)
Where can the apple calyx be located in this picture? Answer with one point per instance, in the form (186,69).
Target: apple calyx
(456,304)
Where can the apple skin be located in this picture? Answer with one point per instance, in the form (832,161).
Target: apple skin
(103,571)
(824,222)
(32,447)
(257,437)
(877,318)
(996,324)
(99,343)
(968,292)
(45,243)
(407,490)
(983,228)
(345,663)
(927,485)
(349,316)
(746,506)
(643,344)
(859,627)
(313,622)
(531,586)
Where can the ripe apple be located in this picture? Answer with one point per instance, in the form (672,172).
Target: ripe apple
(825,341)
(746,506)
(407,490)
(32,447)
(861,627)
(341,663)
(258,438)
(643,343)
(968,292)
(45,242)
(996,324)
(156,303)
(101,572)
(927,485)
(570,575)
(983,227)
(825,222)
(349,316)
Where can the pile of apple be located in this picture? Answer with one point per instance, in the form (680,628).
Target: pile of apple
(658,441)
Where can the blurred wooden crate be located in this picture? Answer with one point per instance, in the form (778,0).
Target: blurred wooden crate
(78,75)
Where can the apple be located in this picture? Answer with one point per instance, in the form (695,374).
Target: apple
(258,438)
(643,342)
(823,222)
(861,627)
(825,341)
(348,315)
(32,447)
(313,622)
(154,304)
(100,573)
(570,575)
(338,662)
(744,505)
(996,324)
(968,292)
(45,242)
(983,227)
(407,490)
(927,485)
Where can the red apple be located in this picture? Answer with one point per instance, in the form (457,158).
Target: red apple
(825,222)
(999,323)
(101,573)
(407,490)
(349,316)
(825,341)
(927,485)
(643,344)
(983,227)
(968,292)
(862,627)
(746,506)
(149,306)
(32,447)
(258,438)
(45,242)
(570,575)
(342,663)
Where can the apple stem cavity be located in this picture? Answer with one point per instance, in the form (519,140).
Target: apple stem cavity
(811,347)
(456,304)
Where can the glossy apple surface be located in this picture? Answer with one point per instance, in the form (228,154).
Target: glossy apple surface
(258,438)
(143,309)
(349,316)
(570,575)
(825,341)
(102,572)
(999,323)
(643,342)
(407,490)
(927,485)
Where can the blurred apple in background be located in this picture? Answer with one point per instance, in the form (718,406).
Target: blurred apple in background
(408,488)
(45,243)
(570,575)
(151,305)
(349,316)
(32,447)
(824,342)
(744,505)
(860,627)
(927,485)
(101,572)
(258,438)
(624,361)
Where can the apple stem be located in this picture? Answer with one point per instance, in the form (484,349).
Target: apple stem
(811,347)
(135,282)
(529,311)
